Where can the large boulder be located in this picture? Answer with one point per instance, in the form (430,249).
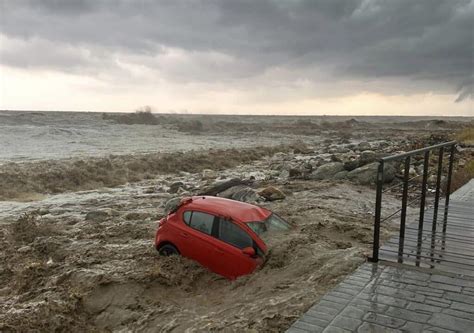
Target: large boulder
(366,157)
(341,174)
(208,174)
(367,174)
(271,193)
(351,165)
(240,193)
(222,185)
(172,204)
(363,146)
(174,187)
(328,170)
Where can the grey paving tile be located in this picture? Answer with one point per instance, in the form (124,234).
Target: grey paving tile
(460,298)
(462,307)
(334,329)
(388,300)
(353,312)
(324,309)
(339,294)
(321,315)
(346,323)
(331,304)
(293,329)
(407,315)
(348,291)
(308,327)
(451,322)
(384,320)
(439,300)
(452,281)
(412,327)
(423,307)
(460,314)
(335,299)
(307,318)
(447,287)
(433,329)
(374,328)
(369,305)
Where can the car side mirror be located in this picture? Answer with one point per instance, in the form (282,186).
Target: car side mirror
(250,251)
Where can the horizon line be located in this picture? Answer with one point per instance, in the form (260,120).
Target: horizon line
(245,114)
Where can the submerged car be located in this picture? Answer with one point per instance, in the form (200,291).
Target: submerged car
(221,234)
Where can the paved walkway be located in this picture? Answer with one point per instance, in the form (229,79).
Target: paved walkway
(400,297)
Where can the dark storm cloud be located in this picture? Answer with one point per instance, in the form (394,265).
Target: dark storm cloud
(427,40)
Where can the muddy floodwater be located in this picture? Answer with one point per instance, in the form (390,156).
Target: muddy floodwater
(80,195)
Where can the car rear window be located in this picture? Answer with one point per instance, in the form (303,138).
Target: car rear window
(234,235)
(202,222)
(272,223)
(187,217)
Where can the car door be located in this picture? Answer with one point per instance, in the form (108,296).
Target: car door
(198,237)
(230,259)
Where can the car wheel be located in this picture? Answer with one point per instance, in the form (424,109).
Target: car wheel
(168,250)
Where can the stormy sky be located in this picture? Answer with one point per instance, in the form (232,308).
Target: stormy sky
(239,56)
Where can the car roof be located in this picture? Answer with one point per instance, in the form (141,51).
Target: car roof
(237,210)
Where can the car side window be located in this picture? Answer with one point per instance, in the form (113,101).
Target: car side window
(187,217)
(202,222)
(232,234)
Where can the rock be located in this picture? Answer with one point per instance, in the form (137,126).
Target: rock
(341,174)
(240,193)
(172,204)
(221,186)
(24,249)
(294,173)
(334,158)
(301,148)
(43,211)
(367,174)
(412,172)
(284,174)
(149,190)
(351,165)
(338,150)
(328,170)
(271,193)
(208,174)
(366,157)
(280,156)
(174,187)
(256,175)
(100,215)
(363,146)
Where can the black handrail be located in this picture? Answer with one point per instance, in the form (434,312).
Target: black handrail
(406,179)
(417,151)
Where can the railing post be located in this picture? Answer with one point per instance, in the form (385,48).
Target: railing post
(448,185)
(422,206)
(378,209)
(436,202)
(438,185)
(401,240)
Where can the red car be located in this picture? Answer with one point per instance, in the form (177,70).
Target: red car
(220,234)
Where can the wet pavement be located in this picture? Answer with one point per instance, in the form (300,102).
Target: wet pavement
(437,296)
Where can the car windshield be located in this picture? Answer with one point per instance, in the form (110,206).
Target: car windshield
(272,223)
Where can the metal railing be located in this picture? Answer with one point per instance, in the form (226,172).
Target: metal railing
(407,157)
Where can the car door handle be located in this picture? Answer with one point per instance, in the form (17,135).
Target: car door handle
(220,251)
(185,235)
